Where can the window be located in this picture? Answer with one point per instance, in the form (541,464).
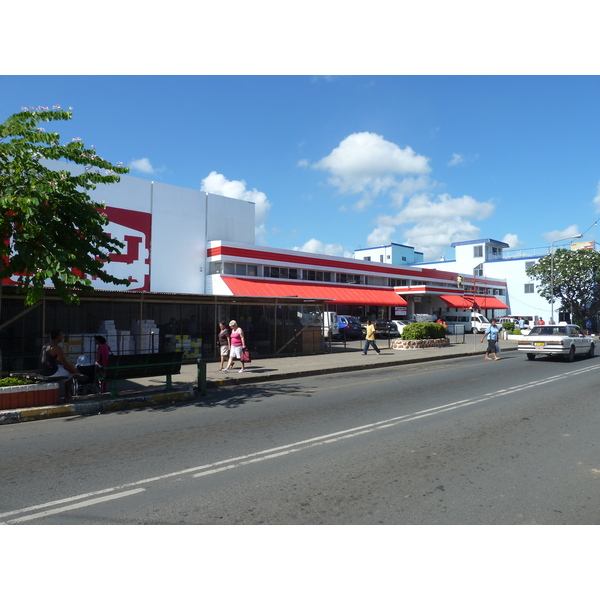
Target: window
(240,269)
(477,251)
(293,273)
(367,258)
(229,268)
(252,270)
(215,268)
(529,289)
(381,258)
(529,264)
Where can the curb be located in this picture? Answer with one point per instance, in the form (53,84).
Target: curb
(92,407)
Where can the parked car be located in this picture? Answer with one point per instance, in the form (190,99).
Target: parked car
(349,327)
(557,340)
(400,325)
(384,328)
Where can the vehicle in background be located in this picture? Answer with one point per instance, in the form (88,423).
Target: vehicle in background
(529,321)
(385,328)
(400,325)
(348,327)
(309,317)
(474,322)
(557,340)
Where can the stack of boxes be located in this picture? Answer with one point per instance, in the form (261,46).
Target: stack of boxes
(146,336)
(191,347)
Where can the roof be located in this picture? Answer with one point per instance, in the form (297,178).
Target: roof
(331,294)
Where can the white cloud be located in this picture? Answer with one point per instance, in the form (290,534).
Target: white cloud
(367,163)
(216,183)
(513,241)
(456,160)
(431,224)
(316,247)
(559,234)
(143,165)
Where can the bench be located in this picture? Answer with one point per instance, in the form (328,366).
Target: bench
(134,366)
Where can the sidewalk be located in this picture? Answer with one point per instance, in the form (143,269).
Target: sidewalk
(150,391)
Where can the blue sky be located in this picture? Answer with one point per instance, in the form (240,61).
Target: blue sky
(336,163)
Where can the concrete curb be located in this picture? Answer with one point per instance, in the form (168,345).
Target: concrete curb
(92,407)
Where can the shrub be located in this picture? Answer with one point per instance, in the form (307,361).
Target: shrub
(424,331)
(13,381)
(508,325)
(517,332)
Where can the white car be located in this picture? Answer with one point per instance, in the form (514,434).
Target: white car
(562,340)
(401,325)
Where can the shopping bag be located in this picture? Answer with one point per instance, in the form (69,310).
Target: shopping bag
(246,358)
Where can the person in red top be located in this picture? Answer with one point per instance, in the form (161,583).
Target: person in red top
(238,343)
(541,321)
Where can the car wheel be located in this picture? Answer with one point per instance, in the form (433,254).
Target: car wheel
(571,355)
(473,331)
(530,356)
(591,351)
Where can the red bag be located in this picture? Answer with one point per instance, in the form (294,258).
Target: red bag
(246,358)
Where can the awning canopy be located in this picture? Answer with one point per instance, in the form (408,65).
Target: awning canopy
(475,302)
(330,294)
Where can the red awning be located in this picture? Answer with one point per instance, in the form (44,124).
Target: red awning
(483,302)
(488,302)
(331,294)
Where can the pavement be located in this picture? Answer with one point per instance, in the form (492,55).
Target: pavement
(150,391)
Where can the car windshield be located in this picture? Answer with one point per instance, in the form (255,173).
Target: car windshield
(353,320)
(549,331)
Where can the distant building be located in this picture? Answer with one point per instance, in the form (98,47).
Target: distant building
(392,254)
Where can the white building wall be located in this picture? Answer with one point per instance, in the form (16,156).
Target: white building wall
(230,219)
(178,239)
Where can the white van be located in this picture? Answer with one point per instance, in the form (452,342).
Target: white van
(308,316)
(474,322)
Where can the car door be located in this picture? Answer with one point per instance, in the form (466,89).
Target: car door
(581,344)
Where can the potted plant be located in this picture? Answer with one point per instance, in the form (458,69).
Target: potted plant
(18,392)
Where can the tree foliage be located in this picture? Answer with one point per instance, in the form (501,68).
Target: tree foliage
(576,281)
(50,228)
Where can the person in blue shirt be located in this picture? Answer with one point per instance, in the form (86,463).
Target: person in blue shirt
(492,333)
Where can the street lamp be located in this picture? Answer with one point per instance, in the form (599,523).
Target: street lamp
(571,237)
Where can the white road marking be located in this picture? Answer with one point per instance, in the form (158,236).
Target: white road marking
(54,511)
(254,457)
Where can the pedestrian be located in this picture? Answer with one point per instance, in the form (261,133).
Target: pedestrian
(238,343)
(521,323)
(492,337)
(541,321)
(53,363)
(224,340)
(370,338)
(102,354)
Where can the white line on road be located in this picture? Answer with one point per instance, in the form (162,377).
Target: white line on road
(54,511)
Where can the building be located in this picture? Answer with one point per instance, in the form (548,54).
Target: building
(188,253)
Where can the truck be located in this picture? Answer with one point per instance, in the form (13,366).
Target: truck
(474,322)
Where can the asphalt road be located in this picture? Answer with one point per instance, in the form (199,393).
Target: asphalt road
(463,441)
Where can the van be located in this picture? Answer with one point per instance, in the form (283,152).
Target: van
(309,317)
(474,322)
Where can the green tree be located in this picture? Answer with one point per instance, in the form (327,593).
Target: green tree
(576,281)
(49,226)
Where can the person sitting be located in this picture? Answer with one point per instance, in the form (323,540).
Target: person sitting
(53,363)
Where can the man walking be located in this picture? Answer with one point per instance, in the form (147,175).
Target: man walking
(491,333)
(370,338)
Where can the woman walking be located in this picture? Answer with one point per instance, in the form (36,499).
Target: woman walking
(224,343)
(238,343)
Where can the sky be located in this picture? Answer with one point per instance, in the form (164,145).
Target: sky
(459,139)
(336,163)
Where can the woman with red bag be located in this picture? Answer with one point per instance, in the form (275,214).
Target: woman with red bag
(238,344)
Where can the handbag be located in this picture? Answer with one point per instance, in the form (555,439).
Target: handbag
(246,358)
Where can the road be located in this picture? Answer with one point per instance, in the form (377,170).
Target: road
(462,441)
